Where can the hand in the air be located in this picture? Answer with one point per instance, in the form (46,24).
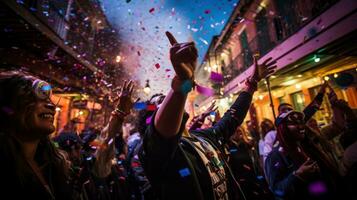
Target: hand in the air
(183,57)
(263,70)
(126,102)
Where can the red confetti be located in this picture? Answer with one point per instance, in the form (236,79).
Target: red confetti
(207,11)
(151,107)
(157,65)
(139,54)
(151,10)
(167,70)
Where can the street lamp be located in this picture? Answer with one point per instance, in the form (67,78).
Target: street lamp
(147,87)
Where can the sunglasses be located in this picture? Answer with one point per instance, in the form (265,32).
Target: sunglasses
(42,89)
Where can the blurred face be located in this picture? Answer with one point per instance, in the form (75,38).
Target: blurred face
(267,126)
(285,109)
(296,126)
(40,117)
(238,135)
(36,118)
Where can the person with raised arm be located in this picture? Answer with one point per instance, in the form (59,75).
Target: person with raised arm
(192,165)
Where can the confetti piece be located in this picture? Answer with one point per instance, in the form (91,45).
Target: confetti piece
(216,77)
(148,120)
(110,141)
(167,70)
(276,164)
(151,107)
(279,193)
(317,188)
(205,91)
(247,167)
(140,106)
(233,150)
(207,11)
(203,40)
(152,10)
(157,65)
(184,172)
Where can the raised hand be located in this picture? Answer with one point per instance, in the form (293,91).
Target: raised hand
(183,57)
(263,70)
(125,103)
(307,169)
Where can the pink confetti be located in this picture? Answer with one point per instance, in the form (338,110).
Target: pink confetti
(151,10)
(207,11)
(157,65)
(167,70)
(247,167)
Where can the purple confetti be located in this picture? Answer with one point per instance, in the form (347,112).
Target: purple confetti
(148,120)
(204,90)
(276,164)
(317,188)
(216,77)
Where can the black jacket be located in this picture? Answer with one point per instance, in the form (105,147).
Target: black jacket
(174,168)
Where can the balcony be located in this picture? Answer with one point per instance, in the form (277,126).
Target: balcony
(294,15)
(66,22)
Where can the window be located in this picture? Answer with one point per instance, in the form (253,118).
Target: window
(298,101)
(247,53)
(264,41)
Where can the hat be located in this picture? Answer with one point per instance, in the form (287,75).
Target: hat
(283,116)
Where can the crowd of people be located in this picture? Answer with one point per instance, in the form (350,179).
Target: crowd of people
(167,157)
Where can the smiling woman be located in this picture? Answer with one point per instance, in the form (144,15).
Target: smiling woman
(31,166)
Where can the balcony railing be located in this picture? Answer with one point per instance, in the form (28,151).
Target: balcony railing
(294,15)
(74,31)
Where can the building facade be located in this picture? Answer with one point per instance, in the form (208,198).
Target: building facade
(70,44)
(311,41)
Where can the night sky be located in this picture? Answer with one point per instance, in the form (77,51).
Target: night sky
(141,25)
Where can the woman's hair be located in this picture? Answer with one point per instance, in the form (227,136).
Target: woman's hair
(266,126)
(16,95)
(245,135)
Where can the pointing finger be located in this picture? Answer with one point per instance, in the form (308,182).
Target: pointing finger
(171,38)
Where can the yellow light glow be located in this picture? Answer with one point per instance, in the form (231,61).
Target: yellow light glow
(58,109)
(261,97)
(299,76)
(118,59)
(326,78)
(287,83)
(298,86)
(335,75)
(147,90)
